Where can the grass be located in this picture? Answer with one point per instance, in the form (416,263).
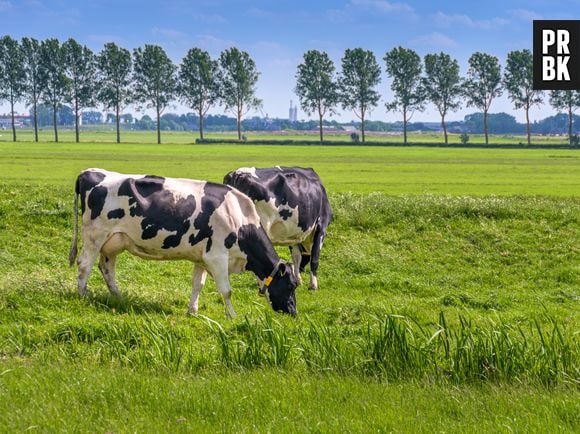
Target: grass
(346,169)
(454,311)
(108,135)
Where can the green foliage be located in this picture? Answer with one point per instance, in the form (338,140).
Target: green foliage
(154,81)
(81,71)
(54,82)
(464,138)
(199,82)
(315,85)
(239,76)
(442,84)
(359,77)
(12,74)
(32,63)
(519,80)
(483,83)
(114,83)
(404,68)
(354,137)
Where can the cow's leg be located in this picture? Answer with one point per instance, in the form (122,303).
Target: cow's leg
(199,276)
(296,260)
(85,262)
(107,266)
(220,273)
(315,256)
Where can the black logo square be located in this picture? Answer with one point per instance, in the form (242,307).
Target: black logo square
(557,54)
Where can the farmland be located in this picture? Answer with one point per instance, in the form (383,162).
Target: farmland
(449,300)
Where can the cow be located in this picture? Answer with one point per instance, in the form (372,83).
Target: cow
(293,208)
(213,225)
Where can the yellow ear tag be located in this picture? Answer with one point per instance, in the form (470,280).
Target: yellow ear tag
(268,281)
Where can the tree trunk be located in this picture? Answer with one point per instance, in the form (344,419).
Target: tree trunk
(485,126)
(320,127)
(239,119)
(405,126)
(117,123)
(528,125)
(570,124)
(76,121)
(362,126)
(13,124)
(158,126)
(35,121)
(54,123)
(444,129)
(200,123)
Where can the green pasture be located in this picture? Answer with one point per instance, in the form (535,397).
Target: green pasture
(107,134)
(449,301)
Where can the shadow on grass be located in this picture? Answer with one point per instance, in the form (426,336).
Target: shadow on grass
(106,302)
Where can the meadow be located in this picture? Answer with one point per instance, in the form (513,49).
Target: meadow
(449,300)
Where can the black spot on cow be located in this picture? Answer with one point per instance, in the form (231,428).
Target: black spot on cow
(118,213)
(230,240)
(96,201)
(159,209)
(285,214)
(85,182)
(213,197)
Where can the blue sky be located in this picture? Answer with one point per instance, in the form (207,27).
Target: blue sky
(277,33)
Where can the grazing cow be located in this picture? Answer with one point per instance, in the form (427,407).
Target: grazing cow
(213,225)
(293,208)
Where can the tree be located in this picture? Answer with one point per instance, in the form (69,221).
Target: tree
(483,84)
(519,82)
(238,83)
(114,70)
(154,80)
(442,85)
(199,82)
(54,81)
(566,100)
(315,85)
(359,76)
(81,70)
(12,75)
(33,88)
(404,68)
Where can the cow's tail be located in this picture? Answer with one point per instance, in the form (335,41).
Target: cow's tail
(73,248)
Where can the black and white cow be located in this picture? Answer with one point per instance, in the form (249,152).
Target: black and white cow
(213,225)
(293,208)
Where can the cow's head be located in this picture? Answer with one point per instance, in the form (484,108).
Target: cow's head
(245,180)
(281,291)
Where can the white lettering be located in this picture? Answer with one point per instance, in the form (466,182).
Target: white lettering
(548,39)
(548,68)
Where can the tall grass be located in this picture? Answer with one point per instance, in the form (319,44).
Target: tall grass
(392,348)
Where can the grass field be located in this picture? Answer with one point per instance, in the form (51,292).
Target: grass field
(449,301)
(176,137)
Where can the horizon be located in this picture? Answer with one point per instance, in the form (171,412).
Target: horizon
(277,35)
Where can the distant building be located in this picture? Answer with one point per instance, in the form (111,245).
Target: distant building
(293,113)
(19,120)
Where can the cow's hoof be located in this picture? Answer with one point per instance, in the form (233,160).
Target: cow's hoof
(192,312)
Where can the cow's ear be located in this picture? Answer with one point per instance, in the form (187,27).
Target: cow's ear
(283,269)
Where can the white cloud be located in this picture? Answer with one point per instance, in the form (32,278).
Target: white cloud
(446,20)
(209,18)
(5,5)
(169,33)
(525,15)
(435,39)
(213,44)
(384,6)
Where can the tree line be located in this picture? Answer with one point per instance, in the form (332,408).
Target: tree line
(48,72)
(51,73)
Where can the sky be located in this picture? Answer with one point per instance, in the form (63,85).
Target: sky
(278,33)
